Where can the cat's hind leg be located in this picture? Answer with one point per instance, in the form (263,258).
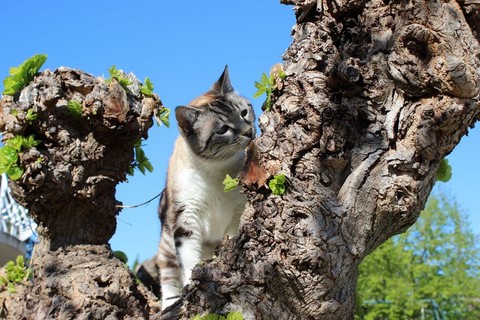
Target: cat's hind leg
(170,270)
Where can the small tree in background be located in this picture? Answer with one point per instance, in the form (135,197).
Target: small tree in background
(436,259)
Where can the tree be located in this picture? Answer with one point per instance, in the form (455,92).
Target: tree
(436,259)
(82,132)
(375,95)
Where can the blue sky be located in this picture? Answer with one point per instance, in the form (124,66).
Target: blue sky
(183,47)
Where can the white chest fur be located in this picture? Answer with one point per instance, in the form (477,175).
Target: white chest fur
(214,211)
(207,212)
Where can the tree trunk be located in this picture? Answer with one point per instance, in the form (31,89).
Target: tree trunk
(69,188)
(376,94)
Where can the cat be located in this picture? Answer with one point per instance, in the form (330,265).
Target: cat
(195,212)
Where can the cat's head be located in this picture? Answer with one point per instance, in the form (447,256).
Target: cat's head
(219,123)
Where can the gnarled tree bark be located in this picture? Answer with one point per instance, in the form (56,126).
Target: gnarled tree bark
(376,94)
(69,188)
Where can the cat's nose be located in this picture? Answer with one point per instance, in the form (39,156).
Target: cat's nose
(248,132)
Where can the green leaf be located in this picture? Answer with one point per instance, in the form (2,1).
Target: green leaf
(8,155)
(265,86)
(113,72)
(147,88)
(23,74)
(15,273)
(20,261)
(31,66)
(15,142)
(268,103)
(20,143)
(444,172)
(271,81)
(265,79)
(147,164)
(229,183)
(277,184)
(30,142)
(12,85)
(234,316)
(162,117)
(260,85)
(139,154)
(15,172)
(121,255)
(212,316)
(4,168)
(259,93)
(119,76)
(11,288)
(31,115)
(141,168)
(141,162)
(75,108)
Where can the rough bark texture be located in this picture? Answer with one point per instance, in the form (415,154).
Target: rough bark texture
(376,94)
(69,188)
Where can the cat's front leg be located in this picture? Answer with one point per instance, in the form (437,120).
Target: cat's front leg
(189,250)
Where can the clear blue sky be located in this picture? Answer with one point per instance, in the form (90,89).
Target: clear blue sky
(183,47)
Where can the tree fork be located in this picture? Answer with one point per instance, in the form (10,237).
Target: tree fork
(376,94)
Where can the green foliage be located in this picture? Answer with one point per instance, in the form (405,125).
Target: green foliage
(266,86)
(444,172)
(9,163)
(20,143)
(277,184)
(121,255)
(75,108)
(31,115)
(9,159)
(211,316)
(119,76)
(16,272)
(23,74)
(229,183)
(163,117)
(141,161)
(147,88)
(437,259)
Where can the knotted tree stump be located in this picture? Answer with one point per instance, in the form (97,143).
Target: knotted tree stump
(68,186)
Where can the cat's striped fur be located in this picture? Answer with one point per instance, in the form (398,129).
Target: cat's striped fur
(194,210)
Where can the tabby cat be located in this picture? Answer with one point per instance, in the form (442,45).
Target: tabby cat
(195,212)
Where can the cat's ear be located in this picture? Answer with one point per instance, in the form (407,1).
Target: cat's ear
(186,117)
(223,84)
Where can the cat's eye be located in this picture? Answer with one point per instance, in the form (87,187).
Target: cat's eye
(223,129)
(244,113)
